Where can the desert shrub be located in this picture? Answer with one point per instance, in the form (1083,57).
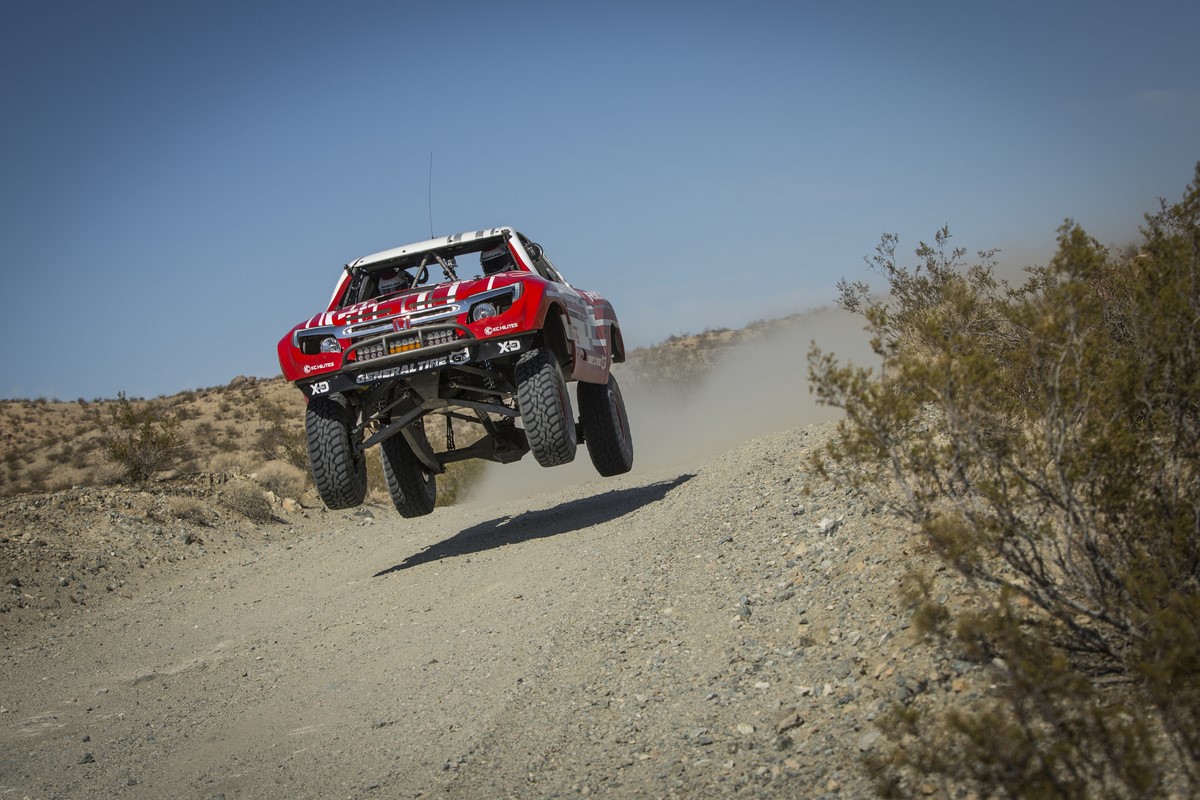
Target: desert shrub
(57,482)
(1045,442)
(285,480)
(248,500)
(282,435)
(35,477)
(108,473)
(230,463)
(189,510)
(141,438)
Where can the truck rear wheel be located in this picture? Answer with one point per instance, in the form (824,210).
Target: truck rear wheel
(545,407)
(338,467)
(606,427)
(410,483)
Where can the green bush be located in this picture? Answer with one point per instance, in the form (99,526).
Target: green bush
(141,439)
(1045,440)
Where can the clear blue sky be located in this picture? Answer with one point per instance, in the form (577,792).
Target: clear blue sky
(182,181)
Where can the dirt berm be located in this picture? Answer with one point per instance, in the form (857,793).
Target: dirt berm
(728,629)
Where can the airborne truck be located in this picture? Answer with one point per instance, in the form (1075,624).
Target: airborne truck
(494,346)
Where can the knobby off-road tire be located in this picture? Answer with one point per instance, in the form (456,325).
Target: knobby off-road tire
(410,483)
(338,467)
(605,427)
(545,407)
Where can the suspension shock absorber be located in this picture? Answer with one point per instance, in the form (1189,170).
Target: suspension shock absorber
(489,382)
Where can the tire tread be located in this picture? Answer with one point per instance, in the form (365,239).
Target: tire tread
(412,488)
(339,471)
(601,413)
(545,407)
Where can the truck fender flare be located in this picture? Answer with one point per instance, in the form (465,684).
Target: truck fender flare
(554,337)
(616,344)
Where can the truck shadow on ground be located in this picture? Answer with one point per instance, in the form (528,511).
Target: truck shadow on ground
(565,518)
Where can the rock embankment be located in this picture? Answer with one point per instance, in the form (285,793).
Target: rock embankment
(62,553)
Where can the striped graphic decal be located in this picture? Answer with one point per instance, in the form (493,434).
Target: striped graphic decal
(587,316)
(426,299)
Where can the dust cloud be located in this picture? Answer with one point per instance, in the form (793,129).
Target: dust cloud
(753,390)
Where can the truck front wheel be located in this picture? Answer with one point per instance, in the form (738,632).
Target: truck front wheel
(338,467)
(545,407)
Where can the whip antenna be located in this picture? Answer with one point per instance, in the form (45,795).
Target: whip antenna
(429,198)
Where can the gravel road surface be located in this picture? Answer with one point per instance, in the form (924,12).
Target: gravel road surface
(725,630)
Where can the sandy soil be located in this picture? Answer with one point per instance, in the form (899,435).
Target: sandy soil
(720,622)
(725,630)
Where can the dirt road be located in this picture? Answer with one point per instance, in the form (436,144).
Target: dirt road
(722,626)
(728,630)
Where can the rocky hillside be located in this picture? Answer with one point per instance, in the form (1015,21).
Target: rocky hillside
(50,445)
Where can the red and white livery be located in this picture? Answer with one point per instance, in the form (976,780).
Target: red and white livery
(493,343)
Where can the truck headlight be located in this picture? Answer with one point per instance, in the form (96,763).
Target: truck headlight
(483,311)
